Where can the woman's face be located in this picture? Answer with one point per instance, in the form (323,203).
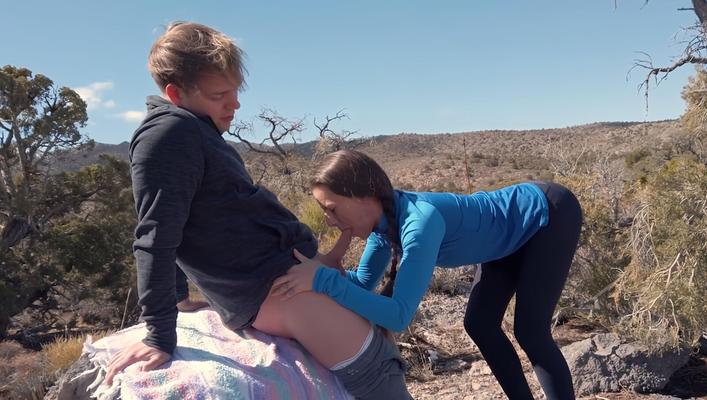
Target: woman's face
(360,215)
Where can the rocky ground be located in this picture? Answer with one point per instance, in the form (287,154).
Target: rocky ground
(445,364)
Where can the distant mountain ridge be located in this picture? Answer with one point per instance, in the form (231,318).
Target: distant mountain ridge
(397,150)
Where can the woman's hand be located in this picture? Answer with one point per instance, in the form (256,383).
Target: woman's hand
(298,278)
(335,256)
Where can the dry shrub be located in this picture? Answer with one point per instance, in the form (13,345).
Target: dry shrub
(639,268)
(452,281)
(311,214)
(63,352)
(414,351)
(25,374)
(601,255)
(662,292)
(695,117)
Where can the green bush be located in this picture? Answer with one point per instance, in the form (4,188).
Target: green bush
(635,156)
(662,291)
(78,268)
(312,215)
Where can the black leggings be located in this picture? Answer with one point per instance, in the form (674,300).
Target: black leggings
(536,274)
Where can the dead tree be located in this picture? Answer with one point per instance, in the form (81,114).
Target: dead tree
(331,140)
(695,51)
(280,131)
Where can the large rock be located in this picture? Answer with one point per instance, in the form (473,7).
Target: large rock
(702,345)
(606,363)
(76,381)
(209,362)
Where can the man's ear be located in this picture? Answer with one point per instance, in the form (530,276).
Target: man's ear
(173,93)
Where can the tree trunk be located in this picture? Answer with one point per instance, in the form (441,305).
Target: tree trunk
(700,7)
(13,232)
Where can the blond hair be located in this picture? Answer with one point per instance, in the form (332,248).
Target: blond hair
(187,50)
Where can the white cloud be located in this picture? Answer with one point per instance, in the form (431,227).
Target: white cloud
(93,94)
(132,116)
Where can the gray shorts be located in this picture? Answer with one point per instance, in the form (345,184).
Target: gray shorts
(378,373)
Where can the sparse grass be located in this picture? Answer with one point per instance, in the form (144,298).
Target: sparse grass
(26,374)
(63,352)
(22,373)
(311,214)
(452,281)
(416,357)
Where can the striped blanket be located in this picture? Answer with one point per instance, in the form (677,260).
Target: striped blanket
(213,362)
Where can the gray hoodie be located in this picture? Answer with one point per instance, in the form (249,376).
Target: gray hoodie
(198,206)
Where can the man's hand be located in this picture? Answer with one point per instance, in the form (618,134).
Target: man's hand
(136,352)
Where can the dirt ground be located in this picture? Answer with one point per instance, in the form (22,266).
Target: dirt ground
(445,364)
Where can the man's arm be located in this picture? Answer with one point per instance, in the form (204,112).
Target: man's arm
(167,167)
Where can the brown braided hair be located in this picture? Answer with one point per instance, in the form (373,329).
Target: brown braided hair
(351,173)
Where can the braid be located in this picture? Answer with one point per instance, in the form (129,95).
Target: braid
(389,284)
(389,212)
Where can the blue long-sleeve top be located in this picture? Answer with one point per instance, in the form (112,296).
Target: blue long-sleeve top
(443,229)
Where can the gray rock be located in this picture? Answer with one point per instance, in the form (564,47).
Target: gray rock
(75,383)
(606,363)
(702,345)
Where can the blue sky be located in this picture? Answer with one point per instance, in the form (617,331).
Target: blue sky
(394,66)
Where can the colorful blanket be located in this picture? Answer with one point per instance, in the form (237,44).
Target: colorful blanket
(213,362)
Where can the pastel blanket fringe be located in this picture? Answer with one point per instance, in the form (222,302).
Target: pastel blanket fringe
(213,362)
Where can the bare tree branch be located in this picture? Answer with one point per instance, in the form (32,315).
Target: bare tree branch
(324,129)
(279,129)
(694,52)
(330,140)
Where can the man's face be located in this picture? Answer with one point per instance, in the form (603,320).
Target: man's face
(214,95)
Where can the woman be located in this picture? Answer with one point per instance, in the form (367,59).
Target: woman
(524,236)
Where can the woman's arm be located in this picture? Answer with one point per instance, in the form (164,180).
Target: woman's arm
(373,262)
(421,239)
